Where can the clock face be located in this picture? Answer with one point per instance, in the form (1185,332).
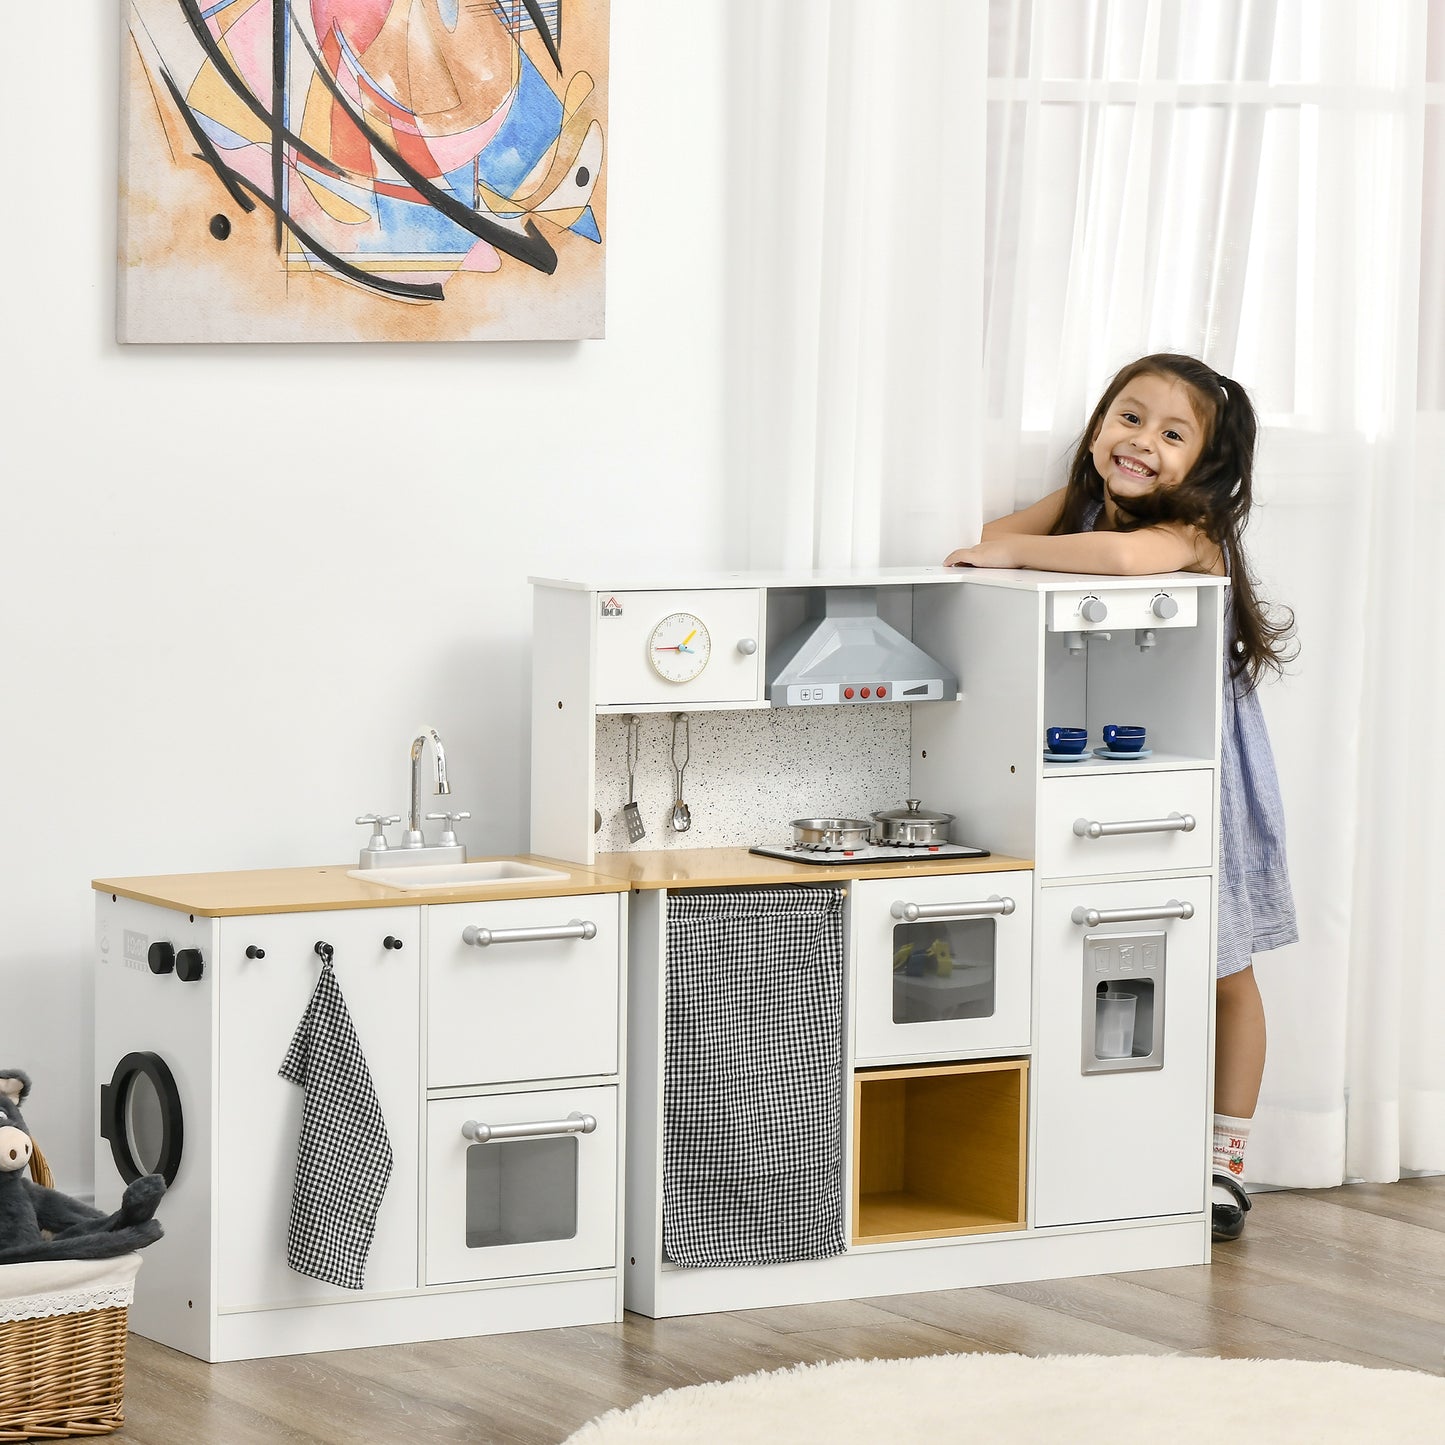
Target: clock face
(679,647)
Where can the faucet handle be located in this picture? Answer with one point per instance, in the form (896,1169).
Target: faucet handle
(377,821)
(449,837)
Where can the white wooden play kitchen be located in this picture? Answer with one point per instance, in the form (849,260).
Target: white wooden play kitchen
(988,1130)
(1004,1074)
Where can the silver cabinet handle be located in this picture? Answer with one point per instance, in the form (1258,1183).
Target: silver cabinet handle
(1092,917)
(485,937)
(1174,823)
(574,1123)
(916,912)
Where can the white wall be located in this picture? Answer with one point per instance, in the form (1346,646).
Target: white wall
(216,640)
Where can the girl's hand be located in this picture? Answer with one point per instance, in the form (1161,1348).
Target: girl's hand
(998,552)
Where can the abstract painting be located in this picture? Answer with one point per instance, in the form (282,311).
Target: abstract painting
(363,170)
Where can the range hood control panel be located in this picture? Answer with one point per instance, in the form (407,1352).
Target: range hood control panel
(805,694)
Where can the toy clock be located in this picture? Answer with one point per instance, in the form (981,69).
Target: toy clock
(679,647)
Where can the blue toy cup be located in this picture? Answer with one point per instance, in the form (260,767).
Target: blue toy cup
(1067,740)
(1123,737)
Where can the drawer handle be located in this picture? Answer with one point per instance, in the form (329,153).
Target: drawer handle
(916,912)
(1174,823)
(1092,917)
(485,937)
(574,1123)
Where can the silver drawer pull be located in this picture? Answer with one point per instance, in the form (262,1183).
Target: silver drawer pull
(1092,917)
(485,937)
(574,1123)
(1174,823)
(918,912)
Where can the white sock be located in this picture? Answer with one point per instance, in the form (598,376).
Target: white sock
(1230,1139)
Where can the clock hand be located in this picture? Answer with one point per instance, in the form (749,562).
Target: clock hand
(688,638)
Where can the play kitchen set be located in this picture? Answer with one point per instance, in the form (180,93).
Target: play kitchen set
(463,1060)
(920,940)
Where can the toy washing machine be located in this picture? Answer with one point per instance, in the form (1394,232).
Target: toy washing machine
(154,1049)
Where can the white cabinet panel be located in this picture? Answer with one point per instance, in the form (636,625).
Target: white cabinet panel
(1121,797)
(533,1201)
(1121,1144)
(519,1009)
(949,984)
(261,1000)
(625,675)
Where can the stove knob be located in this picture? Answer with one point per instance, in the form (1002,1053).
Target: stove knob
(1092,609)
(847,692)
(1164,605)
(882,692)
(161,957)
(189,965)
(865,693)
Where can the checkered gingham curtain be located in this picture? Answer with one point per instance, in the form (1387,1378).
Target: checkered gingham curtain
(752,1087)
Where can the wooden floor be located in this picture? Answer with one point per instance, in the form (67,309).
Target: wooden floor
(1354,1274)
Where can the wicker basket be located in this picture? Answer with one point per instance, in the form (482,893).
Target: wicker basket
(62,1375)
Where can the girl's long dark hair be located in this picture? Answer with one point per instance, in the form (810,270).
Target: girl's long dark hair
(1215,497)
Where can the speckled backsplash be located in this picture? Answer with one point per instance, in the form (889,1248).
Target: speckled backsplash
(752,772)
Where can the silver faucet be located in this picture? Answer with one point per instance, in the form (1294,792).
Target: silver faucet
(412,838)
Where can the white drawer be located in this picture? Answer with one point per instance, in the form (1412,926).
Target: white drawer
(1066,849)
(733,619)
(521,1008)
(538,1197)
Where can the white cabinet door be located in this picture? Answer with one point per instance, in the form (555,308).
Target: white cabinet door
(956,981)
(732,620)
(538,1197)
(261,1000)
(538,1000)
(1121,1144)
(1159,802)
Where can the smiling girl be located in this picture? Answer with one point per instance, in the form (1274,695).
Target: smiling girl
(1162,481)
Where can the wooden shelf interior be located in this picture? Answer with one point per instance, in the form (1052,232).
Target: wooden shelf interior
(939,1150)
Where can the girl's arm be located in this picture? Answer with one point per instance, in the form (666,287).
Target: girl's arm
(1032,521)
(1165,548)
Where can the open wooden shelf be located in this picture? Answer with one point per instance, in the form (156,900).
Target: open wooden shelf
(939,1150)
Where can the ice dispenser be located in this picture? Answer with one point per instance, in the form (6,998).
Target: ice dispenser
(1123,1002)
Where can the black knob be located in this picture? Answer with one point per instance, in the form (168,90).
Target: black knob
(253,952)
(189,965)
(390,942)
(161,957)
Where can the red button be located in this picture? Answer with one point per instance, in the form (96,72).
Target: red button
(865,692)
(847,692)
(882,692)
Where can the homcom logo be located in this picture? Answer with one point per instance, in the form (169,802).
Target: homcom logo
(136,945)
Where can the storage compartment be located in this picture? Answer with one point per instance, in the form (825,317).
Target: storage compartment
(521,1184)
(524,989)
(723,642)
(941,965)
(939,1151)
(1121,822)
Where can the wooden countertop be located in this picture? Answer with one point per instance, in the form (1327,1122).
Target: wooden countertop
(307,890)
(732,867)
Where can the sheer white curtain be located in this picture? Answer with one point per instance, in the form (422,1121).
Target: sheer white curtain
(853,183)
(927,302)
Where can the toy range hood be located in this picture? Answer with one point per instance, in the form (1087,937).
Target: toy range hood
(849,654)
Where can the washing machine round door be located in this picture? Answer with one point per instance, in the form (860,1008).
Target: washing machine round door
(140,1114)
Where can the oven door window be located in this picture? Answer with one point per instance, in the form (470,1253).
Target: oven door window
(521,1191)
(944,970)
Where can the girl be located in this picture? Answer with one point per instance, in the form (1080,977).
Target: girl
(1161,482)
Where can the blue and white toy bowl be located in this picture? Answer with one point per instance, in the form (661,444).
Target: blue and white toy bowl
(1123,738)
(1067,740)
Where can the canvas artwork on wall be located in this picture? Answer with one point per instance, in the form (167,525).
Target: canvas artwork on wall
(363,170)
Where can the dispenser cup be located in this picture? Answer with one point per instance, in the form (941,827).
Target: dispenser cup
(1114,1025)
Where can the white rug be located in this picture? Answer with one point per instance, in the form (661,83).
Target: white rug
(1063,1398)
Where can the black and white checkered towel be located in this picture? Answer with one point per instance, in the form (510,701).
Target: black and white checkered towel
(343,1159)
(752,1078)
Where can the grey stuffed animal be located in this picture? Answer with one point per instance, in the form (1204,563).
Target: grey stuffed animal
(39,1223)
